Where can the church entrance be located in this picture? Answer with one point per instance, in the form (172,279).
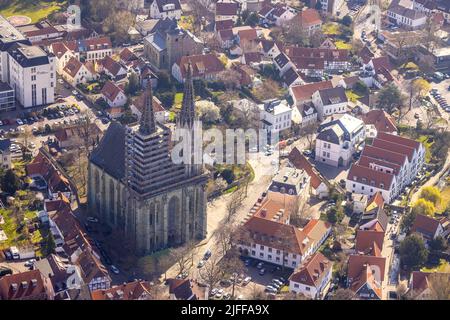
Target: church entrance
(174,213)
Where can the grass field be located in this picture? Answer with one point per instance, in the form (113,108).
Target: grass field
(443,266)
(352,96)
(343,45)
(35,10)
(427,144)
(331,29)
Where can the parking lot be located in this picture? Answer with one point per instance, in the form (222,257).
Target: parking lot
(257,280)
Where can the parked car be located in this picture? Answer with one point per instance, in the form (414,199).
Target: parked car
(271,289)
(114,269)
(260,265)
(207,254)
(92,219)
(227,296)
(246,281)
(214,291)
(19,122)
(4,271)
(262,272)
(200,264)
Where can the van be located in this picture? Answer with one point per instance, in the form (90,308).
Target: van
(5,271)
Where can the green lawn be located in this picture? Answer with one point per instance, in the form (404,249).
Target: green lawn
(352,96)
(343,45)
(424,139)
(187,22)
(178,98)
(35,10)
(443,266)
(331,29)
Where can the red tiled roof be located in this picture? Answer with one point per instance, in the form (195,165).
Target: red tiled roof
(357,263)
(59,49)
(129,291)
(308,17)
(110,90)
(312,271)
(309,63)
(300,162)
(28,285)
(304,92)
(72,67)
(248,34)
(111,65)
(394,147)
(252,57)
(369,242)
(382,121)
(382,62)
(226,34)
(157,105)
(202,64)
(224,24)
(385,155)
(399,140)
(126,55)
(277,235)
(373,178)
(425,225)
(226,8)
(327,54)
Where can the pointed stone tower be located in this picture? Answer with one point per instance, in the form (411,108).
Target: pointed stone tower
(147,124)
(188,121)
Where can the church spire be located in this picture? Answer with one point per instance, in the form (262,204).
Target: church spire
(147,124)
(187,115)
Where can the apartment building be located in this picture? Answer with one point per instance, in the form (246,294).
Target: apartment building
(32,75)
(7,97)
(329,102)
(275,116)
(387,166)
(338,140)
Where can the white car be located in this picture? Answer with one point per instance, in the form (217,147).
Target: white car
(92,219)
(19,122)
(115,270)
(246,281)
(60,81)
(201,264)
(74,92)
(214,291)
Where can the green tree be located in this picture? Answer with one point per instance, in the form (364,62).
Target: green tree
(431,194)
(117,25)
(390,98)
(10,182)
(424,207)
(408,220)
(347,20)
(252,19)
(361,88)
(228,175)
(413,253)
(99,10)
(438,244)
(133,84)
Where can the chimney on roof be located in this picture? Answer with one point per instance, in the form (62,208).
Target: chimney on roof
(14,287)
(24,284)
(34,283)
(263,212)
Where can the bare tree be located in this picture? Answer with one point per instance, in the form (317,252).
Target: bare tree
(256,293)
(211,272)
(224,236)
(232,266)
(309,132)
(429,33)
(233,205)
(230,78)
(183,258)
(439,286)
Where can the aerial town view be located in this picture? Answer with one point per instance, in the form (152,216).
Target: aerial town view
(225,150)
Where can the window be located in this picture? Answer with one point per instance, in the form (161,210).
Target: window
(296,285)
(270,249)
(33,95)
(261,247)
(44,95)
(253,252)
(33,70)
(308,288)
(261,255)
(33,78)
(269,257)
